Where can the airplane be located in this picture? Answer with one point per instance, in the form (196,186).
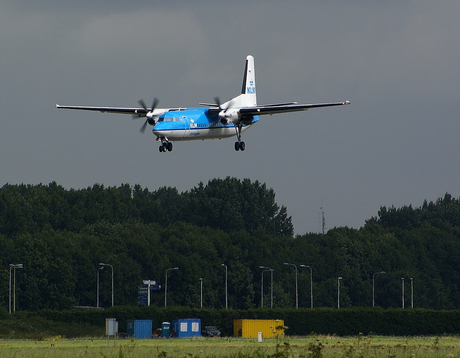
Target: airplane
(216,121)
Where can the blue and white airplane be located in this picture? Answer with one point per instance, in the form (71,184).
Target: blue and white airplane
(217,121)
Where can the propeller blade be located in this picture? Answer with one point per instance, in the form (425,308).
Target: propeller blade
(217,100)
(229,106)
(155,103)
(142,130)
(142,103)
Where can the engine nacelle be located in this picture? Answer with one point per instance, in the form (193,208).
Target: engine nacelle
(151,119)
(229,116)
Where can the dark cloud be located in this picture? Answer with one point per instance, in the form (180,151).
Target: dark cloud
(397,62)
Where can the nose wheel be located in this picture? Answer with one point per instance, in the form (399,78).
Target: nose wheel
(166,147)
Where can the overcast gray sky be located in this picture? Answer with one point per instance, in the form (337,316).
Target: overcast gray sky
(398,62)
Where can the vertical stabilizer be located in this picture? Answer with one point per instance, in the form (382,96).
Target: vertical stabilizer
(248,97)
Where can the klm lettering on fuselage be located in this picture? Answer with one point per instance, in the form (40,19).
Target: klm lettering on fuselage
(251,89)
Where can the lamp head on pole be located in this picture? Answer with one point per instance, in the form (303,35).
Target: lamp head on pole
(266,268)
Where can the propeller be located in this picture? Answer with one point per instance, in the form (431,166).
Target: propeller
(149,114)
(217,100)
(223,118)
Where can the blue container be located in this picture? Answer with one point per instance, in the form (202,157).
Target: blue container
(139,328)
(188,327)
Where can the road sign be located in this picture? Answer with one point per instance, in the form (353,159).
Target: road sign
(143,292)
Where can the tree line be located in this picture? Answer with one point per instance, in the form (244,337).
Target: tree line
(60,236)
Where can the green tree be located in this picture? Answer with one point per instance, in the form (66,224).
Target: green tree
(230,205)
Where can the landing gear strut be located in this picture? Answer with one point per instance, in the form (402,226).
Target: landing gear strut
(166,146)
(240,144)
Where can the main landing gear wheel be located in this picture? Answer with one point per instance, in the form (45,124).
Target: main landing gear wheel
(166,147)
(240,146)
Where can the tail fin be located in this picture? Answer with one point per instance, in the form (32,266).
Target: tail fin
(248,97)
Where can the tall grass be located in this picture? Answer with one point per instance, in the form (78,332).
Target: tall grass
(311,347)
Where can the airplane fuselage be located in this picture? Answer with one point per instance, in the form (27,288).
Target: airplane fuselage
(194,124)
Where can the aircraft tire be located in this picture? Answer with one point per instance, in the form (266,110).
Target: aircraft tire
(242,146)
(170,146)
(237,146)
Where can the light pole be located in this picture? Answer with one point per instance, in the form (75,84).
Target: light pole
(98,269)
(226,292)
(338,291)
(373,292)
(14,267)
(402,294)
(296,291)
(262,289)
(271,272)
(411,293)
(311,285)
(166,284)
(271,288)
(103,264)
(201,292)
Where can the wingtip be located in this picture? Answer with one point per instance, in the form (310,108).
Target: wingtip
(347,102)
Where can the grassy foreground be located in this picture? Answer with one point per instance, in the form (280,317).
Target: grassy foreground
(311,347)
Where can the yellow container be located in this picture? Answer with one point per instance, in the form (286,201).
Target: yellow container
(249,328)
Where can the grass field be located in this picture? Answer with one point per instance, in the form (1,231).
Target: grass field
(311,347)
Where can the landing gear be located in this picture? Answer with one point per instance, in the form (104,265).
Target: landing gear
(240,144)
(166,147)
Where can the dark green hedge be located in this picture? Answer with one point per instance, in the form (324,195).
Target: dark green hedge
(348,321)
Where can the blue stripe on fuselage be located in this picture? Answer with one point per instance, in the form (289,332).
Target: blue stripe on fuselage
(194,123)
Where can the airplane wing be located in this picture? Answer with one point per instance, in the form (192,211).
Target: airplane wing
(280,108)
(216,105)
(121,110)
